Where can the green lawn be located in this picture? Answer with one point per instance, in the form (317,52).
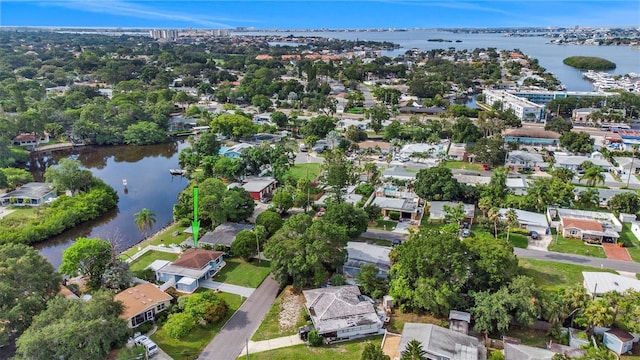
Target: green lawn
(270,327)
(463,165)
(242,273)
(516,240)
(349,350)
(380,242)
(149,257)
(191,346)
(305,171)
(531,337)
(630,242)
(385,224)
(575,246)
(398,319)
(167,238)
(551,275)
(21,214)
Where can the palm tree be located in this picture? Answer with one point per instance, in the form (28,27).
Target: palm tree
(593,176)
(494,216)
(484,205)
(144,219)
(454,213)
(512,218)
(413,351)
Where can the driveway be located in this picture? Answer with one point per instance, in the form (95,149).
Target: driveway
(235,334)
(617,265)
(616,253)
(228,288)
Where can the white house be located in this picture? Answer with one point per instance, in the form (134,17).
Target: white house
(525,159)
(440,343)
(573,162)
(599,283)
(529,220)
(617,340)
(437,211)
(342,313)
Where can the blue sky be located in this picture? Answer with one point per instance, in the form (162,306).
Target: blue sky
(318,13)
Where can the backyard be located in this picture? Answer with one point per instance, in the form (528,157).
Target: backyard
(150,256)
(554,276)
(242,273)
(343,351)
(174,234)
(305,171)
(192,345)
(463,165)
(285,316)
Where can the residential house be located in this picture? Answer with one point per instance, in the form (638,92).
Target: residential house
(517,185)
(260,188)
(519,159)
(224,234)
(442,344)
(342,313)
(472,179)
(360,253)
(573,162)
(262,138)
(604,195)
(179,122)
(625,165)
(591,226)
(349,198)
(234,151)
(599,283)
(437,211)
(141,303)
(618,341)
(193,266)
(581,115)
(427,150)
(30,139)
(531,137)
(29,194)
(409,209)
(529,220)
(457,152)
(459,321)
(399,173)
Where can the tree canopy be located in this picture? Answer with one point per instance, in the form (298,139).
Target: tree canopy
(89,257)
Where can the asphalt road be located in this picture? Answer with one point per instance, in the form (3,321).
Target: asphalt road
(579,260)
(233,336)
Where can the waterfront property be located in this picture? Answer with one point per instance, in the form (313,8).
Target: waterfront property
(360,253)
(440,343)
(234,151)
(30,139)
(523,108)
(29,194)
(224,234)
(342,313)
(141,303)
(193,266)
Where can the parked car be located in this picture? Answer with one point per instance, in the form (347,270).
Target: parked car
(148,344)
(486,167)
(466,233)
(534,235)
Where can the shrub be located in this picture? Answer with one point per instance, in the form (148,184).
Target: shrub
(338,280)
(394,215)
(314,339)
(145,327)
(179,325)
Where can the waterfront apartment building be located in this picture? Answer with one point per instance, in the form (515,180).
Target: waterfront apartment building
(523,108)
(544,96)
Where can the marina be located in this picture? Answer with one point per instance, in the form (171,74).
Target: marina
(603,81)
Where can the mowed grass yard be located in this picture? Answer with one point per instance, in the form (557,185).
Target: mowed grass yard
(192,345)
(464,165)
(165,238)
(150,256)
(574,246)
(552,276)
(242,273)
(349,350)
(630,242)
(308,171)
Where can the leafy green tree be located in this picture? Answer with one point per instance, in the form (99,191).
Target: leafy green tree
(454,214)
(563,174)
(413,351)
(245,244)
(303,251)
(319,126)
(593,176)
(543,192)
(87,257)
(511,219)
(282,200)
(494,216)
(3,180)
(280,119)
(558,124)
(27,282)
(204,307)
(377,115)
(179,325)
(233,125)
(437,183)
(144,220)
(57,332)
(314,338)
(117,276)
(628,203)
(488,150)
(262,102)
(227,168)
(589,198)
(338,173)
(354,219)
(238,205)
(496,190)
(465,131)
(493,263)
(373,352)
(68,175)
(373,212)
(370,283)
(271,220)
(207,144)
(144,133)
(577,142)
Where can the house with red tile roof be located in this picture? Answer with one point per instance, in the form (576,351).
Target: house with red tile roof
(590,226)
(192,267)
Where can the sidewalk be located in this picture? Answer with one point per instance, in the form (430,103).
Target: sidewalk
(228,288)
(277,343)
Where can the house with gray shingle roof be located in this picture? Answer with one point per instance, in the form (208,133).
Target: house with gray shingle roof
(440,343)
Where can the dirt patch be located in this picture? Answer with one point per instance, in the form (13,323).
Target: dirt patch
(290,310)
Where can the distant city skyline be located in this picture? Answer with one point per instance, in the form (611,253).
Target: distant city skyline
(317,14)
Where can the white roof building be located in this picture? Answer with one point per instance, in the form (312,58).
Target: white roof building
(599,283)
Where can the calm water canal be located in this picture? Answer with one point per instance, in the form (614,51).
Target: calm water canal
(146,169)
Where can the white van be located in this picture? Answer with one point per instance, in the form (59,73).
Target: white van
(303,147)
(149,345)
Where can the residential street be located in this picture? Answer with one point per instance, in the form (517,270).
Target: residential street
(579,260)
(233,336)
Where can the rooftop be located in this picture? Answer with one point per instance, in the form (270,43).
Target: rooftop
(224,234)
(138,298)
(443,342)
(32,190)
(531,133)
(196,258)
(604,282)
(407,205)
(339,307)
(257,184)
(361,253)
(582,224)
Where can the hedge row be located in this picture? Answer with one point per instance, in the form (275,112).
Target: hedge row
(64,213)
